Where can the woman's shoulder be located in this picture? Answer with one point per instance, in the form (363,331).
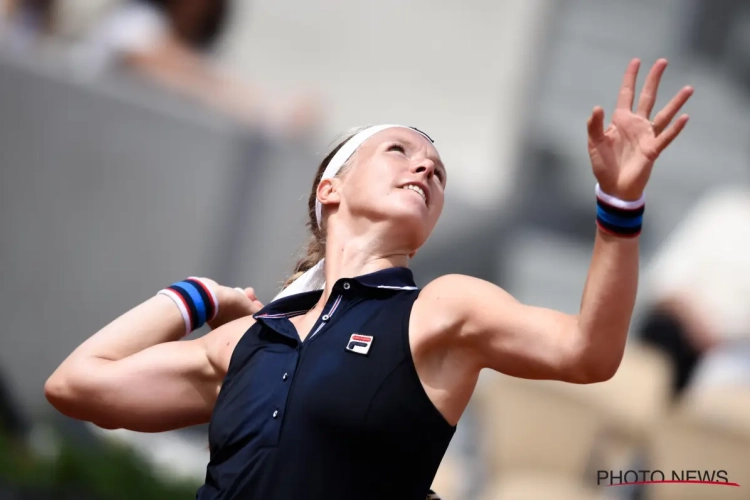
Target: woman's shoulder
(221,342)
(441,302)
(453,299)
(457,287)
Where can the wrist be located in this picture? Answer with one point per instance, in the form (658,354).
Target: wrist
(195,299)
(628,201)
(618,217)
(171,319)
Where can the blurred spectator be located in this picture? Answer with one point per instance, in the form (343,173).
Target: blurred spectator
(25,23)
(170,42)
(700,282)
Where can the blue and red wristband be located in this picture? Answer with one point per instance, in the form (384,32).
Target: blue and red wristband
(619,217)
(195,300)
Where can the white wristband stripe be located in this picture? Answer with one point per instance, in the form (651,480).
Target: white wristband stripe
(617,202)
(180,305)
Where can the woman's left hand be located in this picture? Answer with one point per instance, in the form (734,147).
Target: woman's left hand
(623,155)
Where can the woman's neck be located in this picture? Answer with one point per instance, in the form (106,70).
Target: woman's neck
(353,258)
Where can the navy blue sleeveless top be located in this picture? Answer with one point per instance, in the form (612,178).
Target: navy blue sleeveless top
(342,415)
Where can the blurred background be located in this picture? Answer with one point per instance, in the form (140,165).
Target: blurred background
(144,141)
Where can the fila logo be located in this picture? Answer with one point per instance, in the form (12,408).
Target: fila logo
(359,343)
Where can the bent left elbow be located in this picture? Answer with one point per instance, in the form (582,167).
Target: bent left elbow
(598,369)
(602,373)
(591,360)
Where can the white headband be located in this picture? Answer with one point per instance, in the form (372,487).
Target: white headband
(314,278)
(346,151)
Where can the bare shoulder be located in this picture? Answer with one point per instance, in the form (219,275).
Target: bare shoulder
(459,287)
(458,309)
(220,343)
(446,302)
(434,312)
(455,295)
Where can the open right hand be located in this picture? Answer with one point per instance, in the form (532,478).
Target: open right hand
(623,155)
(234,303)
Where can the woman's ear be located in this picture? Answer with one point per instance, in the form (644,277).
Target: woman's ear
(328,194)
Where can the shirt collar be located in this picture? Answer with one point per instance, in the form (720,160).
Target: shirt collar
(392,278)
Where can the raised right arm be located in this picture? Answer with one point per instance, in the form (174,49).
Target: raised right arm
(136,374)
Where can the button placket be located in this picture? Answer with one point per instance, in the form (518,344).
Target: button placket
(281,396)
(325,318)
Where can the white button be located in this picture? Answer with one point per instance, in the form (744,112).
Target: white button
(276,414)
(286,375)
(326,317)
(347,286)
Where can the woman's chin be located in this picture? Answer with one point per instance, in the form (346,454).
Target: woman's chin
(412,222)
(411,215)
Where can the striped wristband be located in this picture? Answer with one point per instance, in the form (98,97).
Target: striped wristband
(619,217)
(195,300)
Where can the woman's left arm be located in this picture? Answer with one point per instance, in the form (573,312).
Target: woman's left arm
(537,343)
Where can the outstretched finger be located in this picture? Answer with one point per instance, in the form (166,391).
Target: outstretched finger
(647,98)
(627,89)
(663,117)
(595,125)
(665,138)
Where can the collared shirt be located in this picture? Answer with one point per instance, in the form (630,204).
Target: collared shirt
(341,415)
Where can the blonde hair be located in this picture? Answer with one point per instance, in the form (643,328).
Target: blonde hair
(315,249)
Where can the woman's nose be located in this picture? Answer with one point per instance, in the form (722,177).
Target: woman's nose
(425,166)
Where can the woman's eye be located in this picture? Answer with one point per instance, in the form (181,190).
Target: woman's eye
(397,147)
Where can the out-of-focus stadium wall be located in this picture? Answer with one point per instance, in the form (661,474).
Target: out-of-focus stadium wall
(110,191)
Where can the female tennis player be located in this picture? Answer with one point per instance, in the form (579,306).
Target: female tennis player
(351,382)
